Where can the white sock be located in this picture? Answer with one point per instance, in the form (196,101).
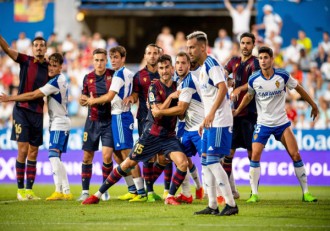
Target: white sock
(210,187)
(195,176)
(302,177)
(56,167)
(98,194)
(232,182)
(218,190)
(129,180)
(222,180)
(65,180)
(203,180)
(254,179)
(139,183)
(185,186)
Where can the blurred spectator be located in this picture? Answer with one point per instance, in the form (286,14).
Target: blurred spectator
(98,41)
(240,16)
(179,42)
(314,80)
(222,46)
(271,21)
(111,42)
(23,43)
(292,52)
(302,122)
(304,41)
(68,43)
(52,43)
(74,94)
(325,93)
(165,40)
(278,56)
(297,73)
(304,60)
(291,112)
(325,69)
(323,120)
(6,77)
(82,43)
(320,57)
(6,109)
(235,49)
(325,43)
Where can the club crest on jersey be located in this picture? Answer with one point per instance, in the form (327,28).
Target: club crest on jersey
(108,77)
(160,92)
(277,83)
(151,97)
(90,81)
(145,79)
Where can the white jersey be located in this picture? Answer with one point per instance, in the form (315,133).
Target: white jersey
(211,74)
(56,91)
(190,93)
(197,71)
(121,84)
(270,96)
(272,23)
(241,21)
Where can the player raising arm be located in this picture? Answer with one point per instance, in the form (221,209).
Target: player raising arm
(268,85)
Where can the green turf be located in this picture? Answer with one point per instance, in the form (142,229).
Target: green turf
(280,208)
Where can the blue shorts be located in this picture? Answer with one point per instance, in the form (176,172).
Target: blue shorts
(149,145)
(180,128)
(191,142)
(94,130)
(59,140)
(122,130)
(262,133)
(217,141)
(27,126)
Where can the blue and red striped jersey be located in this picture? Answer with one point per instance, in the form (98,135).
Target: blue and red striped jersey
(98,85)
(241,73)
(33,75)
(161,126)
(141,82)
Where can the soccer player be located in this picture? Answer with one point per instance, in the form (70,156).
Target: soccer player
(241,68)
(216,128)
(98,121)
(56,91)
(158,137)
(141,82)
(189,107)
(28,116)
(122,118)
(268,86)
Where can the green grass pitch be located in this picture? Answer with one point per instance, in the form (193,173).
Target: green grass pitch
(280,208)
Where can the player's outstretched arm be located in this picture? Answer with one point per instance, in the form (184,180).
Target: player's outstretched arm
(246,100)
(172,111)
(308,99)
(22,97)
(102,99)
(5,47)
(133,98)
